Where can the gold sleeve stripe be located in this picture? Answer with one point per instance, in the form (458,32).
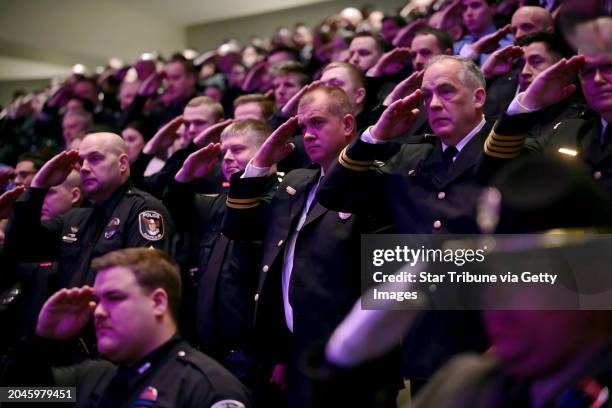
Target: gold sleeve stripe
(241,206)
(503,149)
(354,162)
(243,200)
(343,163)
(507,138)
(500,153)
(496,142)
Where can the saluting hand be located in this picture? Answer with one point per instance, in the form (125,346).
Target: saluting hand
(8,199)
(55,171)
(199,164)
(164,138)
(290,108)
(66,313)
(276,147)
(500,62)
(405,88)
(398,117)
(212,134)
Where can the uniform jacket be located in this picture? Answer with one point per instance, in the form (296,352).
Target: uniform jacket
(174,375)
(82,234)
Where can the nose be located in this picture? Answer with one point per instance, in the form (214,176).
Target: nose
(99,311)
(435,104)
(85,167)
(599,77)
(228,157)
(353,58)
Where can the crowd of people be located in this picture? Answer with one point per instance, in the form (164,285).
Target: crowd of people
(208,211)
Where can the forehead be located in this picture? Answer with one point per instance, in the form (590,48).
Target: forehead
(290,77)
(174,68)
(442,72)
(130,132)
(93,143)
(593,61)
(428,41)
(72,119)
(198,112)
(233,139)
(115,278)
(363,42)
(523,15)
(316,105)
(248,107)
(473,3)
(536,48)
(24,165)
(339,73)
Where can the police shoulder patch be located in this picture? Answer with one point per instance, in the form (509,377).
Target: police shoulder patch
(151,225)
(228,404)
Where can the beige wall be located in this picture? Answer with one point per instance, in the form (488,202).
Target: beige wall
(206,36)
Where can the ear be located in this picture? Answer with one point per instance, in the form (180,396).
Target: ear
(479,98)
(160,301)
(76,196)
(447,51)
(348,122)
(124,163)
(361,94)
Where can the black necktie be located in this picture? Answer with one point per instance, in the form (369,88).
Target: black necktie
(606,136)
(448,155)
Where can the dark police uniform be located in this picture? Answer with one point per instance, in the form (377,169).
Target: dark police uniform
(129,218)
(325,280)
(580,136)
(173,375)
(224,284)
(425,195)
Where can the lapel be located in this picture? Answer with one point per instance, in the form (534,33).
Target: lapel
(469,156)
(590,141)
(316,211)
(302,187)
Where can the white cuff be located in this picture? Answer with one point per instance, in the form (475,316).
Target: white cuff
(253,171)
(367,137)
(516,107)
(468,52)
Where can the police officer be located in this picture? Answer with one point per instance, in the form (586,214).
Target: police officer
(155,366)
(120,216)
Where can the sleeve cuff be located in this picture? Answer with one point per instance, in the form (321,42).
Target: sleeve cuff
(468,52)
(367,137)
(516,107)
(253,171)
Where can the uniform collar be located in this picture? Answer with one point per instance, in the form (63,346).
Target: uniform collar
(109,205)
(463,142)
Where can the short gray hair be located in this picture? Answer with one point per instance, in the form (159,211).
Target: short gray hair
(471,75)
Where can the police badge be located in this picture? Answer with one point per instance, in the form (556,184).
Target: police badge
(151,225)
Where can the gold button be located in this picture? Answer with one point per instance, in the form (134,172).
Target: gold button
(597,175)
(280,243)
(437,224)
(265,268)
(412,173)
(441,195)
(256,297)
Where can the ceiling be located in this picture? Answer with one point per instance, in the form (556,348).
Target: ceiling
(189,12)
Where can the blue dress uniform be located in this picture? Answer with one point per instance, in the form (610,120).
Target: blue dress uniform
(425,195)
(325,278)
(173,375)
(129,218)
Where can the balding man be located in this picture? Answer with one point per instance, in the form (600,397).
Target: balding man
(119,216)
(531,19)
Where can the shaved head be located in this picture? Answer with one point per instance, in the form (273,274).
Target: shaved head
(531,19)
(110,142)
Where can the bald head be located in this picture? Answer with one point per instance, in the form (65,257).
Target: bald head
(531,19)
(104,165)
(63,197)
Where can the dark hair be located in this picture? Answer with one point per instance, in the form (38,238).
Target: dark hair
(35,158)
(187,64)
(378,39)
(291,67)
(554,43)
(399,20)
(152,268)
(442,38)
(292,51)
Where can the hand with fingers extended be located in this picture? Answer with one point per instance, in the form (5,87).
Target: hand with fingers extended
(501,61)
(199,164)
(290,108)
(61,96)
(212,134)
(405,88)
(490,42)
(253,80)
(164,138)
(448,16)
(8,199)
(404,36)
(552,85)
(149,86)
(398,117)
(276,147)
(66,313)
(5,175)
(391,63)
(55,171)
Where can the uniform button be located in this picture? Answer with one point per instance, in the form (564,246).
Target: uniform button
(280,243)
(265,268)
(597,175)
(181,353)
(437,224)
(256,297)
(412,173)
(441,195)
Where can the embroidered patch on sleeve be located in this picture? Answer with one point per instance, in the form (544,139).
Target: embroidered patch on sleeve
(151,225)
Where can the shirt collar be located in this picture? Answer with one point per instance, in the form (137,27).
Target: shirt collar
(604,125)
(109,205)
(459,146)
